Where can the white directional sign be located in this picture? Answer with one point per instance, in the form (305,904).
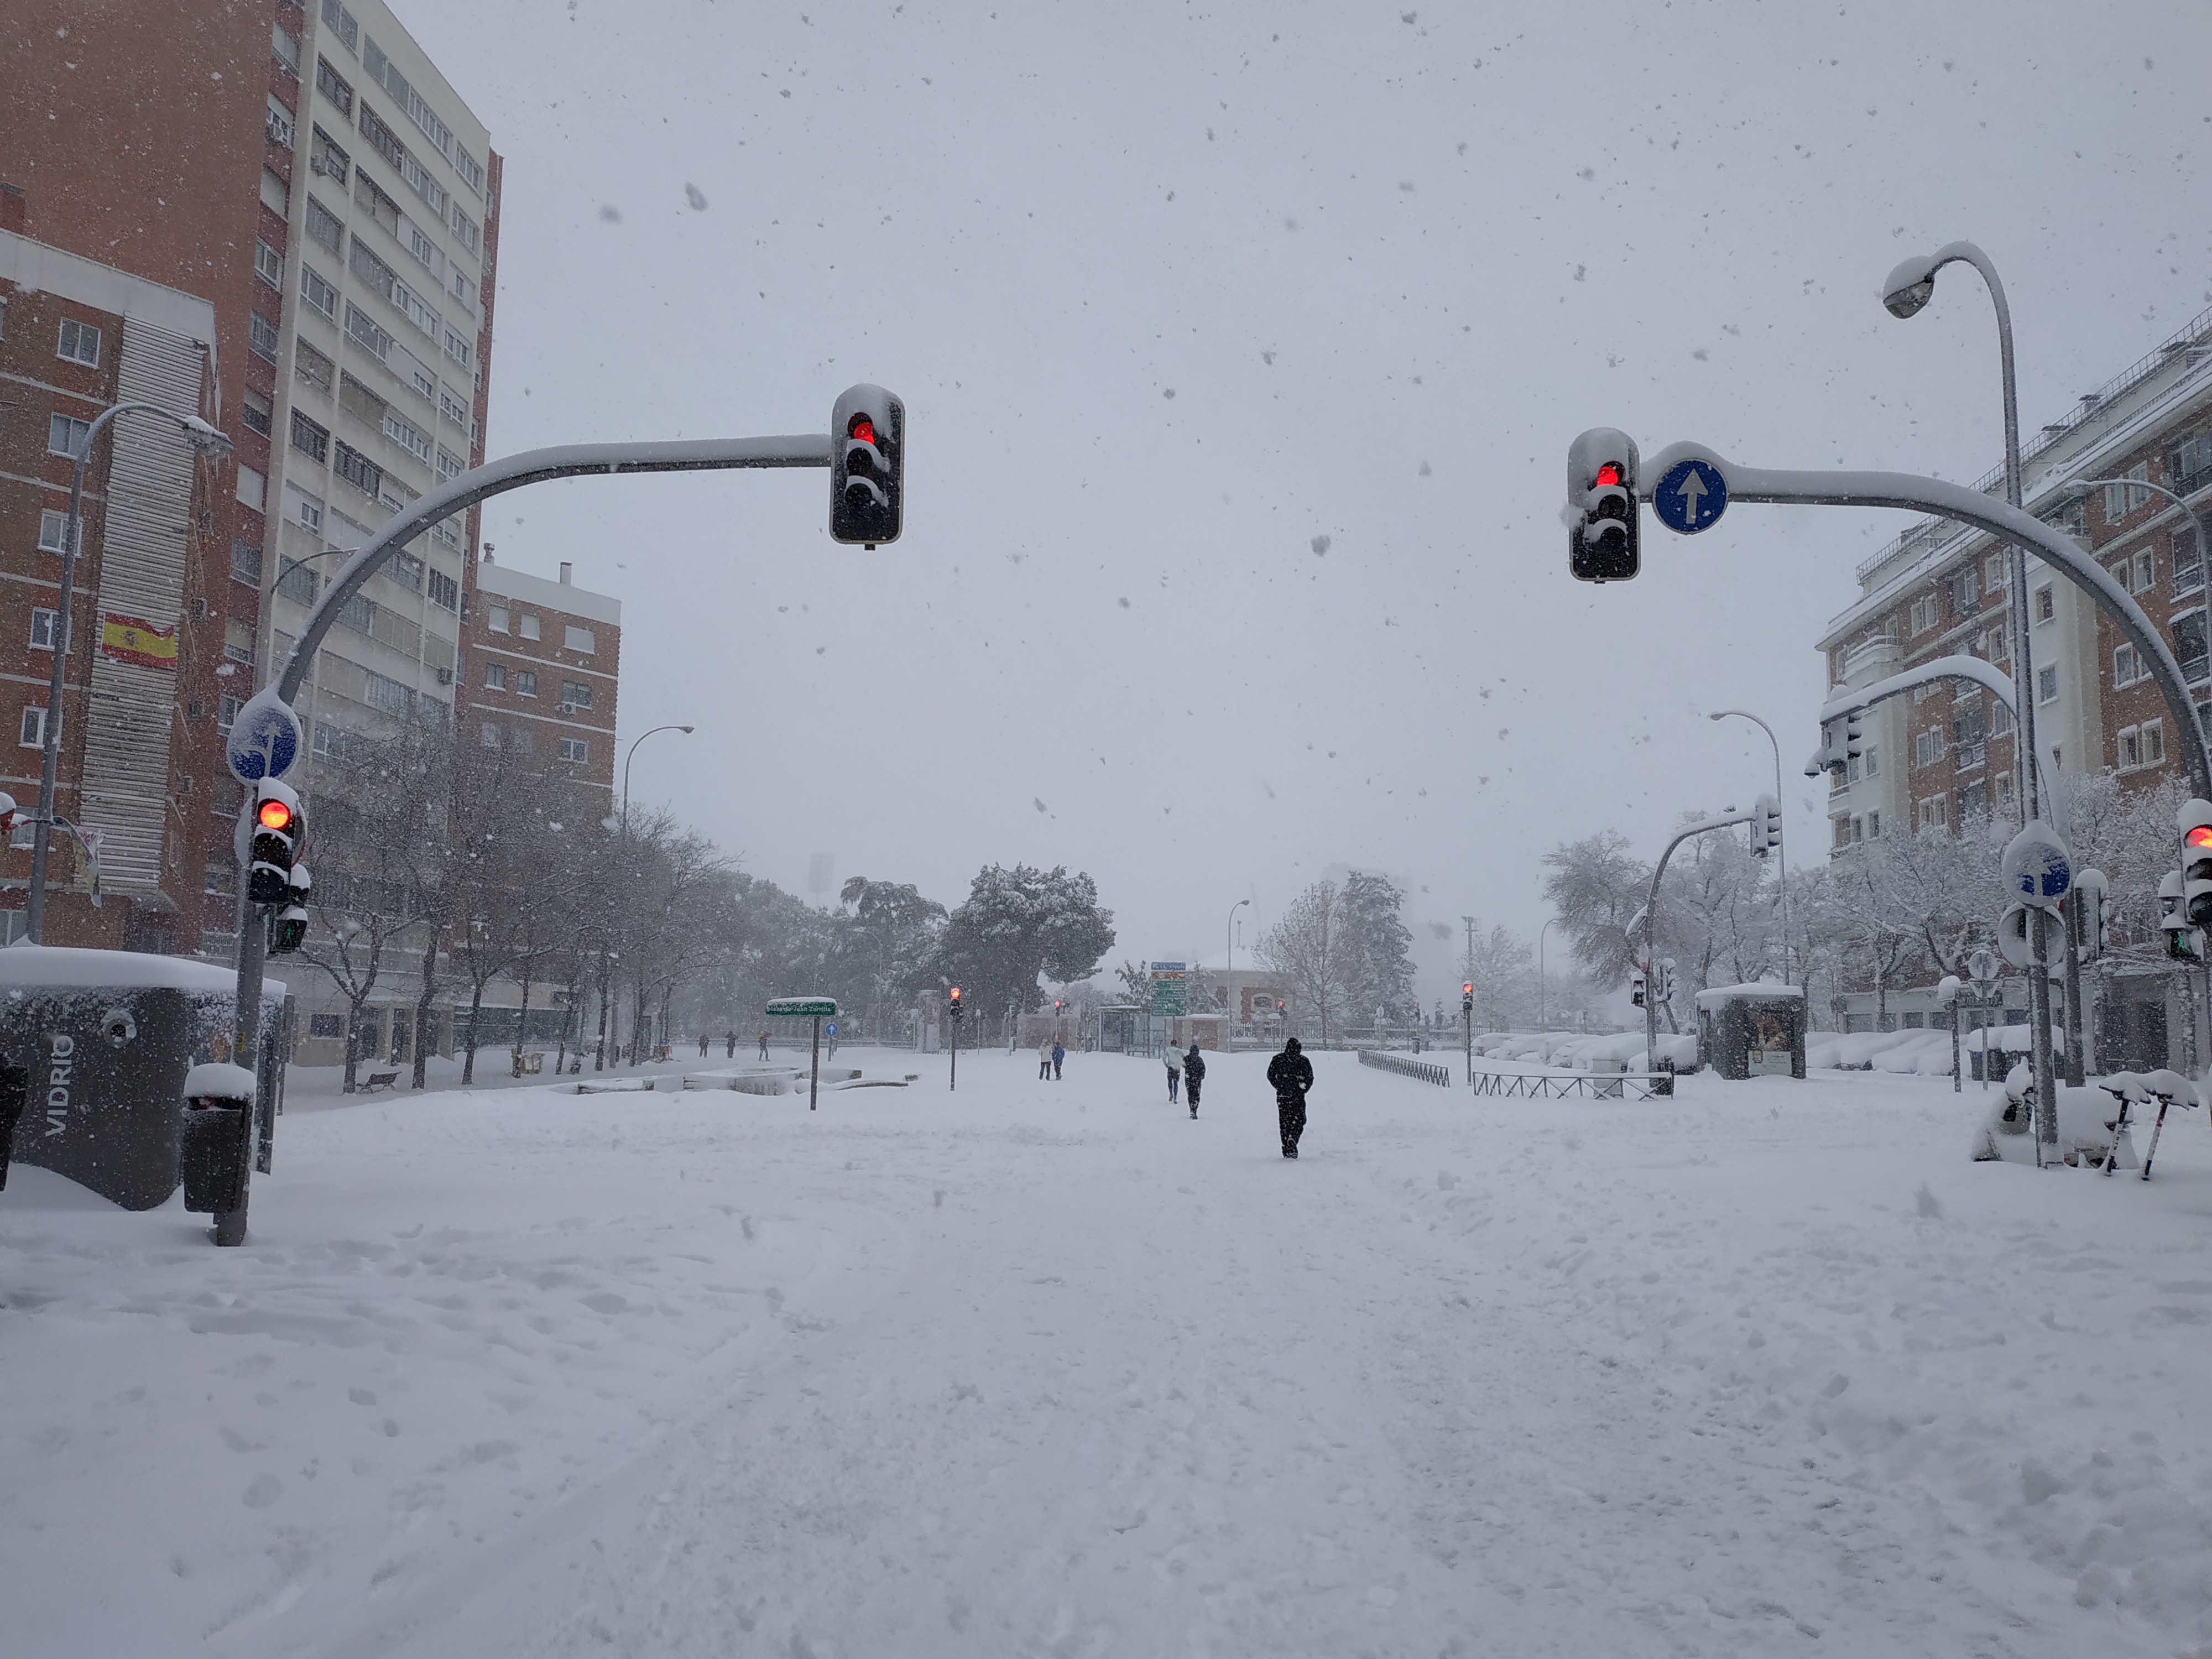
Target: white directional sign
(265,738)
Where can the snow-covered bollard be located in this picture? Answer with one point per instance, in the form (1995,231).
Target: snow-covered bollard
(217,1138)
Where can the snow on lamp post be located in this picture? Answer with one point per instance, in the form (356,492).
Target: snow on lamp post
(1909,288)
(207,441)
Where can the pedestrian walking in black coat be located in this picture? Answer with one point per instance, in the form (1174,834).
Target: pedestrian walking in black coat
(1193,1073)
(1291,1073)
(730,1051)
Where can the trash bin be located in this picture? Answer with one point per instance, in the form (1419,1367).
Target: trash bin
(217,1139)
(107,1039)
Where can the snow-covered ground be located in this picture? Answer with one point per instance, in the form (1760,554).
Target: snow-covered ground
(1051,1369)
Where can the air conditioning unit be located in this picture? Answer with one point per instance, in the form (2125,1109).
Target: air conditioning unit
(445,677)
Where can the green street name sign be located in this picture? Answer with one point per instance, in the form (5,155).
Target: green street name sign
(803,1007)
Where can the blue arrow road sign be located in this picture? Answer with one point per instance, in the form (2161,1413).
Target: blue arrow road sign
(1691,497)
(830,1030)
(264,741)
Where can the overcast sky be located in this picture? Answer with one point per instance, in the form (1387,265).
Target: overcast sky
(1242,344)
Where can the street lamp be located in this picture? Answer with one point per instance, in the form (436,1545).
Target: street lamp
(2075,489)
(1909,288)
(1781,853)
(631,755)
(209,442)
(1229,935)
(628,758)
(1541,931)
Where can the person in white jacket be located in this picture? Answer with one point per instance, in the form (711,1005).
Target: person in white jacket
(1044,1057)
(1175,1070)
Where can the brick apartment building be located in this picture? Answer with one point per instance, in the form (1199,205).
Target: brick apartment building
(545,661)
(145,656)
(313,179)
(1938,756)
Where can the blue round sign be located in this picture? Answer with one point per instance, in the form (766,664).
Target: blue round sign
(830,1030)
(1691,497)
(264,740)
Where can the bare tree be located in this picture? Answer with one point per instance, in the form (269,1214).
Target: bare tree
(1308,948)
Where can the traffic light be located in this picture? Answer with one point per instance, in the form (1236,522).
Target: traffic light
(1854,736)
(954,1010)
(867,465)
(1636,988)
(2171,920)
(2091,908)
(1766,828)
(276,831)
(1467,999)
(1601,507)
(288,932)
(2196,826)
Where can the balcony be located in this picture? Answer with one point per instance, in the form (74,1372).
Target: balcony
(1969,755)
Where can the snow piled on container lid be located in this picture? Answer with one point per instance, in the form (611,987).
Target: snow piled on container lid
(1764,991)
(24,965)
(224,1082)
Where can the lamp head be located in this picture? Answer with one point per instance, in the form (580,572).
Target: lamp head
(686,730)
(2075,489)
(1909,285)
(204,438)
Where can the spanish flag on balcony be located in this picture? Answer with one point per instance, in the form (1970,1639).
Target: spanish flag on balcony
(132,639)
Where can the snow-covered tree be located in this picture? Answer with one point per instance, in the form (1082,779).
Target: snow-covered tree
(1017,924)
(1309,946)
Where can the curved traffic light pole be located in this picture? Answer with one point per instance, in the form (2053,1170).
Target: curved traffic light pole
(1651,929)
(1856,699)
(457,494)
(1786,487)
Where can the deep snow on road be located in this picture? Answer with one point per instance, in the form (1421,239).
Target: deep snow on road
(1051,1369)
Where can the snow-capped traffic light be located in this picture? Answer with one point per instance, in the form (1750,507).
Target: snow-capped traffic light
(1854,736)
(953,1007)
(288,931)
(1766,828)
(1601,506)
(276,832)
(2171,921)
(1467,999)
(867,465)
(1636,988)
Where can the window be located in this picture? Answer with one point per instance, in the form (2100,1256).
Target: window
(2045,606)
(363,329)
(1928,746)
(382,71)
(42,628)
(575,694)
(526,682)
(380,207)
(311,365)
(453,409)
(261,336)
(226,713)
(495,676)
(310,440)
(1872,770)
(324,225)
(1874,826)
(528,629)
(1922,615)
(2189,645)
(34,729)
(221,875)
(306,511)
(444,590)
(341,23)
(357,470)
(328,1026)
(2187,559)
(2000,718)
(471,169)
(2192,463)
(275,194)
(465,228)
(450,465)
(495,618)
(2130,747)
(489,735)
(407,437)
(2124,669)
(446,533)
(389,696)
(519,740)
(245,562)
(1993,574)
(334,87)
(575,748)
(318,293)
(286,46)
(406,570)
(459,287)
(1932,813)
(53,532)
(2046,685)
(328,158)
(2120,499)
(2004,788)
(297,583)
(80,344)
(277,125)
(579,639)
(2154,743)
(255,414)
(429,252)
(1966,590)
(252,488)
(64,433)
(457,348)
(2145,571)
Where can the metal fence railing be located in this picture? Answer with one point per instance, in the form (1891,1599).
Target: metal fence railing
(1588,1085)
(1419,1071)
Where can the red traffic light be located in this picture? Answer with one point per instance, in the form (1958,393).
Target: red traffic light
(274,815)
(1608,477)
(1467,990)
(2201,836)
(861,428)
(956,993)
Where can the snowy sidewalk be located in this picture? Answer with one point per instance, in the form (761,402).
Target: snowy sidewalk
(1037,1367)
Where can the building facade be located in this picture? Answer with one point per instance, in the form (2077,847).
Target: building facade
(76,338)
(1940,754)
(544,665)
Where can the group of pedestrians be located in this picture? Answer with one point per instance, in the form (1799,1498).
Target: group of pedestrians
(1049,1055)
(1289,1074)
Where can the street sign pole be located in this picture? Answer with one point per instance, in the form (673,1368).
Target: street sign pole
(814,1078)
(816,1008)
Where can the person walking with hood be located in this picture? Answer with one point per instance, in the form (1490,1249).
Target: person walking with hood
(1291,1073)
(1175,1070)
(1193,1073)
(1059,1054)
(1044,1058)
